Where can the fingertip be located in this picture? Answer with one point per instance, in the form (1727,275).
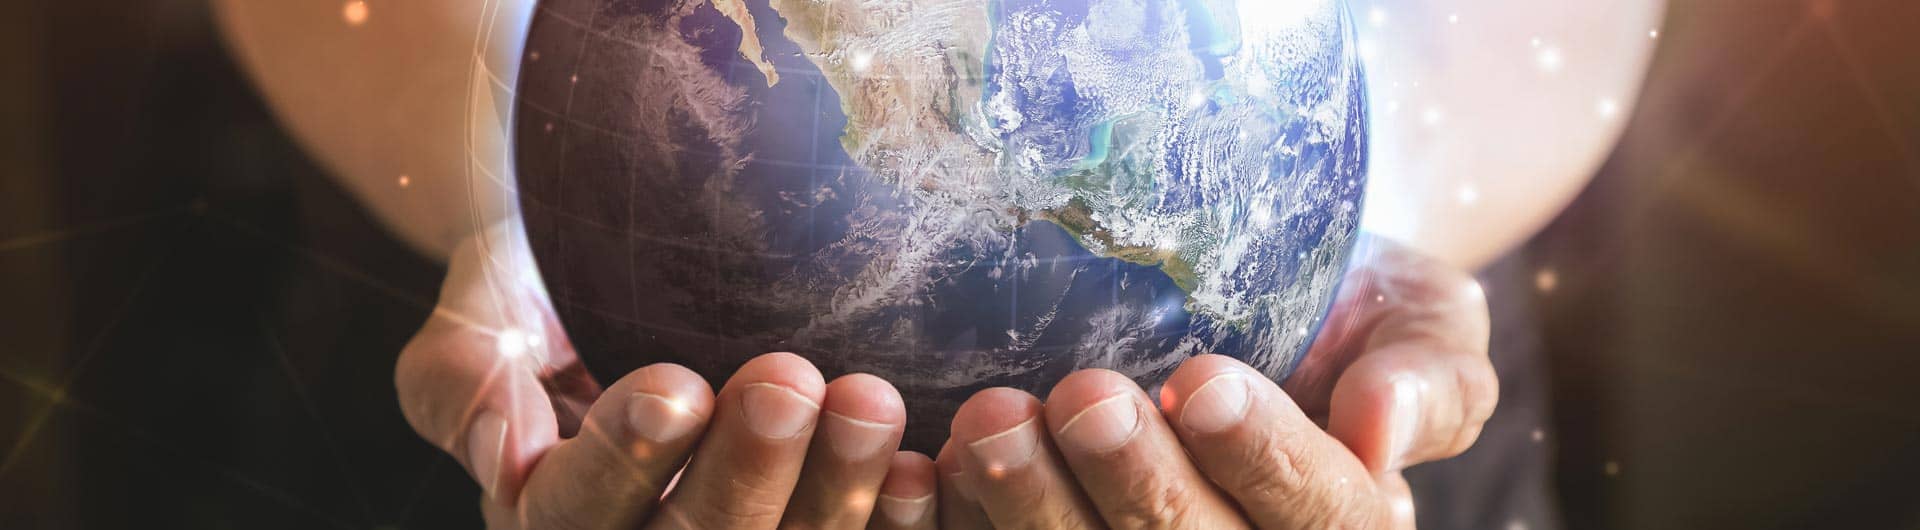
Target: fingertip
(1083,388)
(677,384)
(993,411)
(1094,411)
(910,475)
(866,398)
(783,369)
(1362,416)
(664,404)
(1402,406)
(1197,372)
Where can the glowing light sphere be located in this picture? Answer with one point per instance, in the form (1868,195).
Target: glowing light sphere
(950,194)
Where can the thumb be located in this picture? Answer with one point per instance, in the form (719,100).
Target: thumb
(470,381)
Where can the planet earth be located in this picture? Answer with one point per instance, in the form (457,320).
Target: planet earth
(949,194)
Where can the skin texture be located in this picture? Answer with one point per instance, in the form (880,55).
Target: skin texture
(776,446)
(1400,377)
(410,89)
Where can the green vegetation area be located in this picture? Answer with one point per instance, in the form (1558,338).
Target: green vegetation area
(1077,218)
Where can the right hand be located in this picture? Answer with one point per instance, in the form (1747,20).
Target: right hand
(491,380)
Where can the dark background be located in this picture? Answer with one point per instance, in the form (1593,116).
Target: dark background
(197,327)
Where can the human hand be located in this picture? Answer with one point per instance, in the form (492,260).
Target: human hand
(1399,376)
(492,380)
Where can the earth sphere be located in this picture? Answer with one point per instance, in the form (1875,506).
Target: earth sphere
(949,194)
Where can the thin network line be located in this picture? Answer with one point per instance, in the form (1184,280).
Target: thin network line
(1883,113)
(93,348)
(155,441)
(100,227)
(305,396)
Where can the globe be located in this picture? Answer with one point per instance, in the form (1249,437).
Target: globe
(949,194)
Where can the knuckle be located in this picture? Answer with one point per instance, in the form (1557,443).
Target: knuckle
(1479,395)
(1358,510)
(1479,389)
(741,503)
(1344,505)
(1150,504)
(1267,468)
(1272,473)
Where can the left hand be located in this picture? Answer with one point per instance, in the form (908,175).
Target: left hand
(1399,376)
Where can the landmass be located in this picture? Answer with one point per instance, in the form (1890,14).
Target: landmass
(736,10)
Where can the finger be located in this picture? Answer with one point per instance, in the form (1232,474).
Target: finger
(481,404)
(1011,467)
(1393,296)
(743,473)
(1246,435)
(1399,494)
(853,447)
(633,440)
(1406,404)
(1401,373)
(470,382)
(1129,463)
(907,496)
(959,504)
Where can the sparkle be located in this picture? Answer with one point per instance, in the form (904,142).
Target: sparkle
(511,342)
(1377,16)
(1607,108)
(1453,18)
(354,12)
(1433,116)
(1467,195)
(678,405)
(1612,468)
(1403,507)
(533,56)
(1536,42)
(1546,280)
(1653,34)
(575,78)
(406,181)
(1539,435)
(1516,524)
(1549,59)
(862,60)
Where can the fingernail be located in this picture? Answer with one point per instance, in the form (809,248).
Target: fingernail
(1220,403)
(659,418)
(776,412)
(853,439)
(904,512)
(486,443)
(1103,427)
(1404,420)
(1007,450)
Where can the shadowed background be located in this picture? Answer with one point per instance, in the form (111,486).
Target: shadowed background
(197,326)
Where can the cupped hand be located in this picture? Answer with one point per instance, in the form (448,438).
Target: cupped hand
(491,380)
(1398,376)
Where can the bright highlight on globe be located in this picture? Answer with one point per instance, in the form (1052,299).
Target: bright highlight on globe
(949,194)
